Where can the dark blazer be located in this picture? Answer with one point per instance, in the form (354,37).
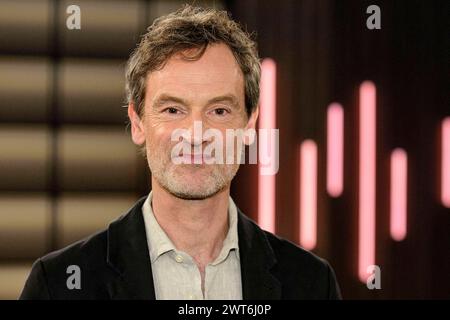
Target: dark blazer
(115,264)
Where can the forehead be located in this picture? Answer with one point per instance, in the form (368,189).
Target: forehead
(216,72)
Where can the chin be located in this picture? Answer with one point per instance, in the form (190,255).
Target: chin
(193,194)
(193,187)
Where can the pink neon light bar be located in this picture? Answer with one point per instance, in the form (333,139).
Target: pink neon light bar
(335,149)
(367,173)
(308,194)
(445,163)
(399,175)
(267,120)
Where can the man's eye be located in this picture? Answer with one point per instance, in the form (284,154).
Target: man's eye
(220,111)
(171,110)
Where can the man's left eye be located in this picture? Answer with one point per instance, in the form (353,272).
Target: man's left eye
(220,111)
(171,110)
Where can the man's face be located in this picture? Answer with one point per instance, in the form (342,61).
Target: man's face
(210,90)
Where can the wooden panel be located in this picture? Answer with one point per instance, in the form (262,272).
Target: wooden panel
(91,91)
(25,25)
(103,159)
(84,214)
(108,28)
(12,278)
(24,226)
(25,89)
(24,157)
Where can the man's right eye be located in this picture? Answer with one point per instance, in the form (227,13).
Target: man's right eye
(171,110)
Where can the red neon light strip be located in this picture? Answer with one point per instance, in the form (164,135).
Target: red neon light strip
(267,120)
(308,194)
(335,149)
(367,172)
(445,163)
(399,170)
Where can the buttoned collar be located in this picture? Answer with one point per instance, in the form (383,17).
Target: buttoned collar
(159,243)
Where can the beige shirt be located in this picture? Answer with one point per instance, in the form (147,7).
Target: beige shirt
(175,274)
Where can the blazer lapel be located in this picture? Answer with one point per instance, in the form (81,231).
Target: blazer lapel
(257,260)
(128,255)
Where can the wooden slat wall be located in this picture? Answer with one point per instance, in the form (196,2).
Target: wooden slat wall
(68,166)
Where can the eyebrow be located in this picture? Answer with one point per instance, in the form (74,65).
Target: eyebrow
(165,98)
(226,98)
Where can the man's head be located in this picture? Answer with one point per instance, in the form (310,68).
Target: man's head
(192,65)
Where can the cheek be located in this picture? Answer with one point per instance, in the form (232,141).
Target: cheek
(159,136)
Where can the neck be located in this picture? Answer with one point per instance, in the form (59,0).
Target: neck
(197,227)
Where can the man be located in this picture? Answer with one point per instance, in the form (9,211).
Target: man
(186,239)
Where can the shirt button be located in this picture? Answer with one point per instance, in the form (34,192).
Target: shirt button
(191,297)
(178,258)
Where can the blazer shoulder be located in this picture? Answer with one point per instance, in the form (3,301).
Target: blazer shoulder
(49,274)
(92,248)
(285,249)
(295,265)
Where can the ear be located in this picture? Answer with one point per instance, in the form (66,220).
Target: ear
(250,128)
(137,126)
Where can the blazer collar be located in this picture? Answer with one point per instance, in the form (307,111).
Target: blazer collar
(257,262)
(128,255)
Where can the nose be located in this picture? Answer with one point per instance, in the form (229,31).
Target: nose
(195,128)
(194,133)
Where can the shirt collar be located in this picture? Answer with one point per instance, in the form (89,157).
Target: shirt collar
(159,243)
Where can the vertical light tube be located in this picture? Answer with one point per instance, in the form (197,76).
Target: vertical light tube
(335,149)
(445,163)
(398,194)
(267,120)
(308,194)
(367,177)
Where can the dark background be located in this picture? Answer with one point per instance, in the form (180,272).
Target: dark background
(323,52)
